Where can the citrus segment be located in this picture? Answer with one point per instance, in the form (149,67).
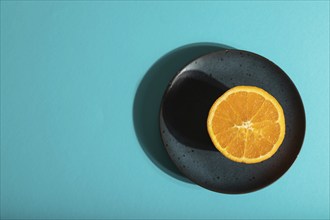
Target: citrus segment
(246,124)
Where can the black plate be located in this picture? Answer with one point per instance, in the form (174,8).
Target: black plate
(184,111)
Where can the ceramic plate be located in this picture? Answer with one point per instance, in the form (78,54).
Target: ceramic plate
(184,111)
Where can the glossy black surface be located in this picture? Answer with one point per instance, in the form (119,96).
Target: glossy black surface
(184,111)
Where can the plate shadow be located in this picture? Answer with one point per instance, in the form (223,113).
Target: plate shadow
(148,98)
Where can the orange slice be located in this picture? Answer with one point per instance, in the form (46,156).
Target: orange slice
(246,124)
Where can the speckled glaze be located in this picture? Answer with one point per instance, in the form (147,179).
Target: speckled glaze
(184,111)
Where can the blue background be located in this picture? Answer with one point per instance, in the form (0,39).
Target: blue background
(69,74)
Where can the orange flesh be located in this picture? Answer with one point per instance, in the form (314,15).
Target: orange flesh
(247,125)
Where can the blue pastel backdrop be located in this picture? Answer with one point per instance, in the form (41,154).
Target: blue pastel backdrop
(69,74)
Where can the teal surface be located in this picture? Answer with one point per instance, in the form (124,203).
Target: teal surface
(69,74)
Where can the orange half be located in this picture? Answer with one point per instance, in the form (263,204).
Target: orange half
(246,124)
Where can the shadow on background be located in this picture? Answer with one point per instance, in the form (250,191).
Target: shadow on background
(148,98)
